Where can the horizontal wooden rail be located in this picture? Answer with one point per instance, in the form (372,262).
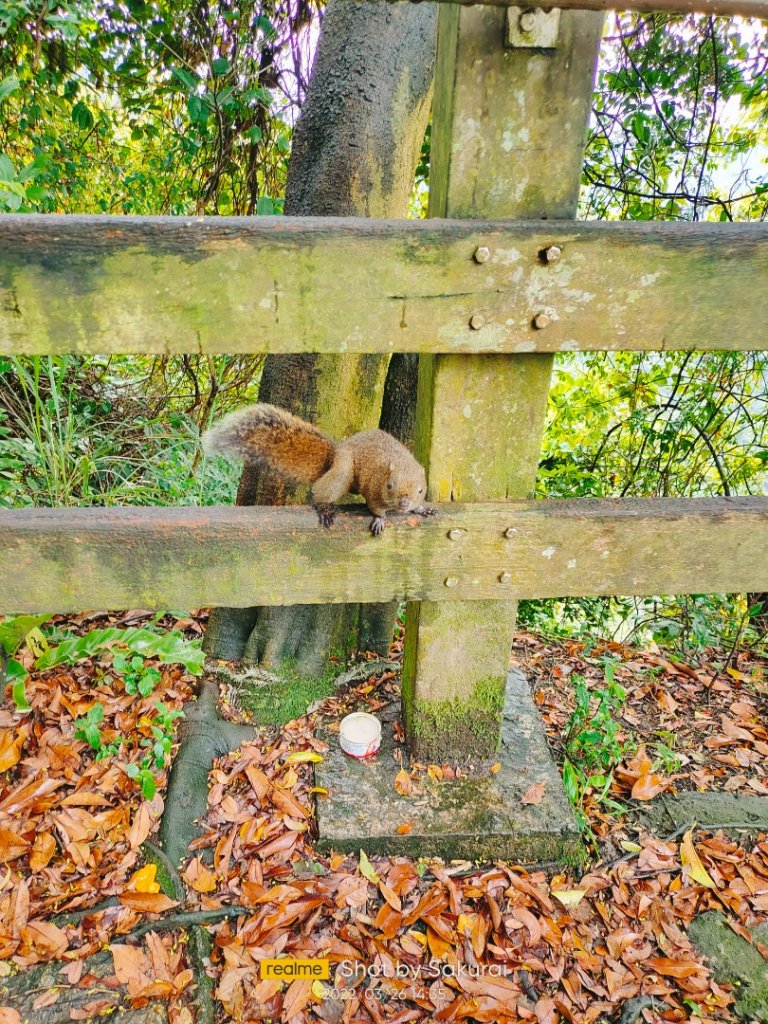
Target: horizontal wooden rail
(77,559)
(726,8)
(273,284)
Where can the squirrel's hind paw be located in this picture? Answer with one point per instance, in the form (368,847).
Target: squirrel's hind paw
(326,514)
(377,525)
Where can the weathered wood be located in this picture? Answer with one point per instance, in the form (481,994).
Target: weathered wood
(725,8)
(481,417)
(265,284)
(75,559)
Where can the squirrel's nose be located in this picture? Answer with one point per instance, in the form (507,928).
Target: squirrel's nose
(405,504)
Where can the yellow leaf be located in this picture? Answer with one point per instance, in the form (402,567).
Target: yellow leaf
(735,674)
(319,991)
(204,880)
(36,642)
(629,847)
(568,897)
(466,923)
(696,870)
(495,768)
(143,880)
(320,790)
(300,756)
(367,869)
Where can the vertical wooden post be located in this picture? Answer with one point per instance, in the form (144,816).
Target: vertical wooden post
(509,128)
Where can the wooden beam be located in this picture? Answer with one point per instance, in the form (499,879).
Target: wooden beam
(64,560)
(725,8)
(508,135)
(273,284)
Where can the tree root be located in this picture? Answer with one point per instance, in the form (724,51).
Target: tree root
(204,736)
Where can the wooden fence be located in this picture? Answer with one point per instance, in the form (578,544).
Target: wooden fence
(486,294)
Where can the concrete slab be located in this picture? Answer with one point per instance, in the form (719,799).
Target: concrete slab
(711,809)
(475,819)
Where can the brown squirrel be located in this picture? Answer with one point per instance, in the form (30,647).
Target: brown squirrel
(371,463)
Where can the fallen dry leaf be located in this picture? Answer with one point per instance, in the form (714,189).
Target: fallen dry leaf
(147,902)
(696,870)
(144,880)
(534,794)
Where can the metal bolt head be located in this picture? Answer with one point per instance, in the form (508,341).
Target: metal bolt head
(482,254)
(540,321)
(505,577)
(552,253)
(527,21)
(455,534)
(451,581)
(476,321)
(510,532)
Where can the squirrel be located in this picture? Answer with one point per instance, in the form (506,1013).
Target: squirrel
(372,463)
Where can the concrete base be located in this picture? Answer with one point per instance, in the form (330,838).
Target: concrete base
(734,960)
(473,819)
(711,809)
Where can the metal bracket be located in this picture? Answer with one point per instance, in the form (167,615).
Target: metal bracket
(531,28)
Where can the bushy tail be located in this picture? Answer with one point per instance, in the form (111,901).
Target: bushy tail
(273,437)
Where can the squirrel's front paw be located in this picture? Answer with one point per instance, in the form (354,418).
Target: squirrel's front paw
(377,525)
(326,514)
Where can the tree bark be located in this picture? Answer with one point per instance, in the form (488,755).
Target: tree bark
(355,149)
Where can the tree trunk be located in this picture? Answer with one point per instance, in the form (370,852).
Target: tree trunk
(355,149)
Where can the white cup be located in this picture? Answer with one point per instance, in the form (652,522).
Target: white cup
(360,735)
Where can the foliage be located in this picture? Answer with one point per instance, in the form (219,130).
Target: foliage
(138,677)
(149,107)
(14,633)
(679,121)
(679,132)
(119,431)
(594,743)
(170,648)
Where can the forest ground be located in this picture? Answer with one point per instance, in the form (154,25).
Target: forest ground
(87,930)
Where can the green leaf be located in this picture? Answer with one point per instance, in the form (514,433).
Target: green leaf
(198,111)
(96,714)
(220,66)
(266,27)
(147,683)
(254,133)
(265,207)
(13,631)
(82,116)
(19,694)
(171,648)
(91,735)
(7,86)
(148,786)
(367,869)
(190,82)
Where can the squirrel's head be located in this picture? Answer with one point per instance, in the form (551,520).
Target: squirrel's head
(405,489)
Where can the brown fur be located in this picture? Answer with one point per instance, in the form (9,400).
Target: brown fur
(273,437)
